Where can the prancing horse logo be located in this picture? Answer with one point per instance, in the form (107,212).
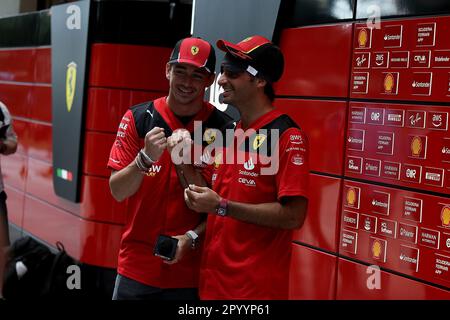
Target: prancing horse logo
(194,50)
(71,78)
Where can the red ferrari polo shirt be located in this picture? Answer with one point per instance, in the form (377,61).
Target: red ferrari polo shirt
(243,260)
(158,206)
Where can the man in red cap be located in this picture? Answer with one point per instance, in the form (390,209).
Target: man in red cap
(255,204)
(144,174)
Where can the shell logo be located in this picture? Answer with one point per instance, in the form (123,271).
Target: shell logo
(376,249)
(416,146)
(362,38)
(351,196)
(388,82)
(445,216)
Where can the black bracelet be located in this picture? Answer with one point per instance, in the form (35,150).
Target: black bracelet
(145,158)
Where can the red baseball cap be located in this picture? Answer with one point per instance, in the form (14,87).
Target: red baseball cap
(262,57)
(196,52)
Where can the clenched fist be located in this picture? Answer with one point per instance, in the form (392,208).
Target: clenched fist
(155,143)
(179,146)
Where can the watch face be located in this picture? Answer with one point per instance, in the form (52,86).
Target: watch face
(221,211)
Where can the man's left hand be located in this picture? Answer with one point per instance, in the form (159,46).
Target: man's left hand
(183,246)
(201,199)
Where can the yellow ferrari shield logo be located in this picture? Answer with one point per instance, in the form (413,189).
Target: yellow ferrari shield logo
(71,78)
(210,135)
(194,50)
(258,141)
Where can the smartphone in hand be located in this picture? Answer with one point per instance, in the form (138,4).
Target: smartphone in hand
(165,247)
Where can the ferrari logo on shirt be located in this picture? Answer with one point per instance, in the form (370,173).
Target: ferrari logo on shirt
(258,141)
(210,135)
(71,78)
(218,160)
(194,50)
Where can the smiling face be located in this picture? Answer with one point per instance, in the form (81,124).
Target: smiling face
(187,84)
(238,86)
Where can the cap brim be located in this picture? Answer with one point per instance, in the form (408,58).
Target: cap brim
(190,62)
(232,67)
(232,48)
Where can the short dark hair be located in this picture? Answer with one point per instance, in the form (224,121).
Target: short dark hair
(269,91)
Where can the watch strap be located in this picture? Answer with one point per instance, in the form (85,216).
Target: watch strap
(191,234)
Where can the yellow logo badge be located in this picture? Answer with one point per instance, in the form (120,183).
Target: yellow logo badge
(445,216)
(376,249)
(351,197)
(194,50)
(388,83)
(362,37)
(210,135)
(416,146)
(218,160)
(71,78)
(258,141)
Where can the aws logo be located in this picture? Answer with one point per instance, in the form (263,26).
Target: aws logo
(71,80)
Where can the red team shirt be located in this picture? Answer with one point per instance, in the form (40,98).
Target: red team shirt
(158,206)
(243,260)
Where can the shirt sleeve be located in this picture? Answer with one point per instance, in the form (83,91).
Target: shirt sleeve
(7,130)
(293,173)
(126,145)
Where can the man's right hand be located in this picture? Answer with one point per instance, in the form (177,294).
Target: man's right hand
(181,140)
(155,143)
